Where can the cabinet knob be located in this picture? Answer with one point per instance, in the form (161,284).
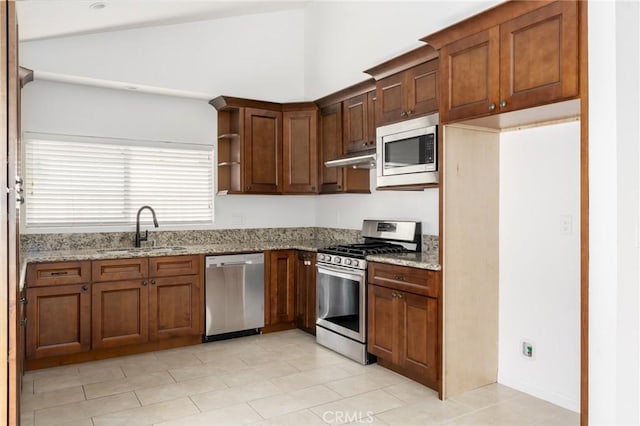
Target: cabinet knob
(399,295)
(19,198)
(492,107)
(153,282)
(503,104)
(85,288)
(313,188)
(403,113)
(248,188)
(399,277)
(144,283)
(410,112)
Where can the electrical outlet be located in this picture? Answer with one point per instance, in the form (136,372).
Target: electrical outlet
(527,349)
(566,224)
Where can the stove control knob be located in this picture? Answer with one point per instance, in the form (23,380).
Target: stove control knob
(347,261)
(355,263)
(321,257)
(337,259)
(328,259)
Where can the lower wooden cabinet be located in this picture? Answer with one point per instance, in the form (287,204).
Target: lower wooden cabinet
(120,313)
(174,307)
(403,331)
(280,269)
(58,320)
(306,292)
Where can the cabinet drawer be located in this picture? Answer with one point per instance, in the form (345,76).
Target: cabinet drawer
(412,280)
(119,269)
(171,266)
(58,273)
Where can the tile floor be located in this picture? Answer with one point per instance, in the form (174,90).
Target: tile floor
(275,379)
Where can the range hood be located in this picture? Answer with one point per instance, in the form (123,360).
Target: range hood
(358,160)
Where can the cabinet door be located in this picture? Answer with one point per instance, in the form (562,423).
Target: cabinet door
(539,56)
(470,76)
(382,332)
(262,151)
(281,287)
(418,336)
(422,89)
(356,124)
(119,313)
(58,320)
(391,99)
(306,292)
(300,152)
(331,148)
(174,306)
(372,101)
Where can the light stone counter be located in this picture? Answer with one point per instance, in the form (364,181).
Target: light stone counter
(414,260)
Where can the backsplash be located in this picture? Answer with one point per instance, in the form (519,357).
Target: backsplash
(102,240)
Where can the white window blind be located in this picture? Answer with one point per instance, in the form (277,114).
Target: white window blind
(83,181)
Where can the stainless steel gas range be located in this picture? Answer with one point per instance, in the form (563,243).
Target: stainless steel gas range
(341,323)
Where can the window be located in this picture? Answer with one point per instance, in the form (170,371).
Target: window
(98,182)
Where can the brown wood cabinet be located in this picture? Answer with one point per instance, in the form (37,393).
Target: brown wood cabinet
(519,63)
(331,178)
(280,275)
(305,289)
(58,320)
(359,128)
(403,327)
(300,150)
(262,151)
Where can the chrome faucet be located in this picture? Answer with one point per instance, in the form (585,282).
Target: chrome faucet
(140,238)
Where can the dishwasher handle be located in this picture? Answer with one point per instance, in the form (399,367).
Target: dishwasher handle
(234,260)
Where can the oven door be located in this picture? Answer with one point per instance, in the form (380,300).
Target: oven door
(341,297)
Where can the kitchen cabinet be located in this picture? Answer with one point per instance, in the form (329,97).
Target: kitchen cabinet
(407,86)
(175,297)
(359,126)
(305,289)
(119,302)
(331,178)
(520,62)
(58,309)
(266,147)
(403,321)
(280,270)
(300,149)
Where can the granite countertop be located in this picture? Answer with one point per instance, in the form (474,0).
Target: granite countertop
(414,260)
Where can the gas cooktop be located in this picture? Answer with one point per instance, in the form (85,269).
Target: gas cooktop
(361,250)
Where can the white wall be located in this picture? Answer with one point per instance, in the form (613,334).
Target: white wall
(256,56)
(614,214)
(342,39)
(540,263)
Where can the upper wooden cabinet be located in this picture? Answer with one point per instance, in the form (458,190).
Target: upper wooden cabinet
(515,63)
(359,123)
(407,86)
(266,147)
(300,149)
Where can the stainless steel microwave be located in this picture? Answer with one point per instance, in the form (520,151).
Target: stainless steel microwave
(407,152)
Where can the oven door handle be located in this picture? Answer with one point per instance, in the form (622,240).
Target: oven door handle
(340,271)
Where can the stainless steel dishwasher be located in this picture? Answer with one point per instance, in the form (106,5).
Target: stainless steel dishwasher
(234,293)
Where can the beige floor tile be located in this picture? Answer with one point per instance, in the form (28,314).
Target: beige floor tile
(487,395)
(42,400)
(367,420)
(286,403)
(567,418)
(178,359)
(171,391)
(193,372)
(127,384)
(149,414)
(225,360)
(27,386)
(309,378)
(366,382)
(297,418)
(47,384)
(27,418)
(430,411)
(258,374)
(79,411)
(317,360)
(361,406)
(236,395)
(64,370)
(240,414)
(410,392)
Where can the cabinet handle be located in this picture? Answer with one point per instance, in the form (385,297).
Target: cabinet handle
(144,283)
(153,282)
(248,188)
(59,273)
(403,113)
(24,300)
(85,288)
(503,104)
(492,107)
(399,277)
(20,198)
